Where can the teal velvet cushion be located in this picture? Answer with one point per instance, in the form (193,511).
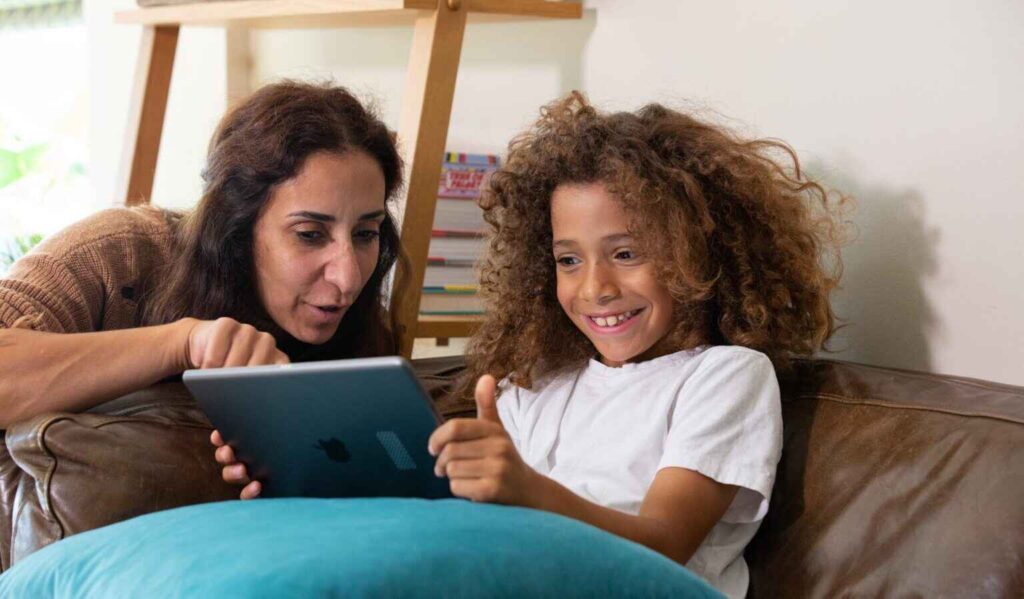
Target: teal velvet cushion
(349,548)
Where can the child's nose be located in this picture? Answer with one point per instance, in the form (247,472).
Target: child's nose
(598,285)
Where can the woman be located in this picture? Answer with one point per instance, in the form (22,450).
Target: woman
(284,259)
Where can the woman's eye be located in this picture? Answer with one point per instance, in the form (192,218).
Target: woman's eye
(367,235)
(311,236)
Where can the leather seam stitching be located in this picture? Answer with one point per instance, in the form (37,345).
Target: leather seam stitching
(888,404)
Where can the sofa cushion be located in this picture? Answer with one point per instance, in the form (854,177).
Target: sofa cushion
(894,484)
(350,548)
(62,473)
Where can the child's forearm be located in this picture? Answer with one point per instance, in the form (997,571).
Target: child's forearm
(551,496)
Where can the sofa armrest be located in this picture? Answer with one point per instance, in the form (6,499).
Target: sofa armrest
(145,452)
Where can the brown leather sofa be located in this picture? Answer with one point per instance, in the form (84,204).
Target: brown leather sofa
(892,483)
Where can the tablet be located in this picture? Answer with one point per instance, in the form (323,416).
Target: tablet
(340,428)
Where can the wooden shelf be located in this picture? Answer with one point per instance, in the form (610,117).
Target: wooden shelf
(447,326)
(438,27)
(297,14)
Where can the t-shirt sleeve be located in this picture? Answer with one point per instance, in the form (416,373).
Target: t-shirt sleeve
(727,425)
(508,408)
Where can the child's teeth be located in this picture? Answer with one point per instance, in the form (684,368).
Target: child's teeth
(613,320)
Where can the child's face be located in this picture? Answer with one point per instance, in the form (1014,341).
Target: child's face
(606,286)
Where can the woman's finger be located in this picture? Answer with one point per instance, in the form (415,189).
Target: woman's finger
(218,343)
(243,344)
(265,351)
(216,439)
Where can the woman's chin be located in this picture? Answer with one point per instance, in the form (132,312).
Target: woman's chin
(314,335)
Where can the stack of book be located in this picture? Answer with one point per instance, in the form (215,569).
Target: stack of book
(457,241)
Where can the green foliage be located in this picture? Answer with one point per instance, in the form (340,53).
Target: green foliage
(15,165)
(15,248)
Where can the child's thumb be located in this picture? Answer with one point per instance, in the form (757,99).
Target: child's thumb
(486,403)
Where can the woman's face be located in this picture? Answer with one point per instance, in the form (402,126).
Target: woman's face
(316,242)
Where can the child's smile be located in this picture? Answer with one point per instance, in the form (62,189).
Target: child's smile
(605,285)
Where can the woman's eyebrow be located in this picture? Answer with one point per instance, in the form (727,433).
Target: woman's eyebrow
(327,218)
(317,216)
(372,215)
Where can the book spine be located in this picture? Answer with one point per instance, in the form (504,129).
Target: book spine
(452,262)
(452,289)
(476,159)
(456,234)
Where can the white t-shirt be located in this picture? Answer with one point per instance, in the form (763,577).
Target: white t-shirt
(605,432)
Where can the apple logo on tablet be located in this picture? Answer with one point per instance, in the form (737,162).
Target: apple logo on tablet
(334,448)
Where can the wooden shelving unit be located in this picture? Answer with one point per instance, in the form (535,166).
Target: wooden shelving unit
(438,27)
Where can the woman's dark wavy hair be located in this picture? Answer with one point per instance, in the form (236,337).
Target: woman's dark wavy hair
(259,144)
(738,239)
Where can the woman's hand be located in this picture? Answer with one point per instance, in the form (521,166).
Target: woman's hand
(234,471)
(226,342)
(478,456)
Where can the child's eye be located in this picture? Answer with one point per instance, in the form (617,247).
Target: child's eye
(367,235)
(567,261)
(626,255)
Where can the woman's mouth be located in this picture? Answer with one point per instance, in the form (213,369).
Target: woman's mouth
(325,314)
(612,323)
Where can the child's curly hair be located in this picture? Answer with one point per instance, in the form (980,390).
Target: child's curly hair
(737,239)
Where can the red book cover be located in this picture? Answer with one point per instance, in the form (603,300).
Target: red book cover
(464,175)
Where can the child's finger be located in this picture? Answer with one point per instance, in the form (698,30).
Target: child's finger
(224,455)
(460,429)
(464,450)
(251,490)
(236,474)
(486,403)
(461,469)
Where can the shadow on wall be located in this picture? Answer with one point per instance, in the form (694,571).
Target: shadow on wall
(881,303)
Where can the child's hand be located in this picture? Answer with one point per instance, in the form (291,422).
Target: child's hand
(234,471)
(479,458)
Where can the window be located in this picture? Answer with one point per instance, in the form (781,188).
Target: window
(44,183)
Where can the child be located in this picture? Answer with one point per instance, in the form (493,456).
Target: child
(645,272)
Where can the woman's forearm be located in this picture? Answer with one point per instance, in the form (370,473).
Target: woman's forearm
(46,372)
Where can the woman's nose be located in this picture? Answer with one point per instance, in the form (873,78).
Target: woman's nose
(598,285)
(343,271)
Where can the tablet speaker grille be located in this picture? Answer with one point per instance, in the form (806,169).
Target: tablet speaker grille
(396,450)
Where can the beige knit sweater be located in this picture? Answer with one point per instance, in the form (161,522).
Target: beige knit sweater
(89,276)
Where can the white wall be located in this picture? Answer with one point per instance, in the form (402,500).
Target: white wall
(914,108)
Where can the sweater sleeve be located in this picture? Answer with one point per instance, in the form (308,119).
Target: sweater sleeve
(84,278)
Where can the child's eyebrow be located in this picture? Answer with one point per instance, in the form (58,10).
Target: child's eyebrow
(617,237)
(613,238)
